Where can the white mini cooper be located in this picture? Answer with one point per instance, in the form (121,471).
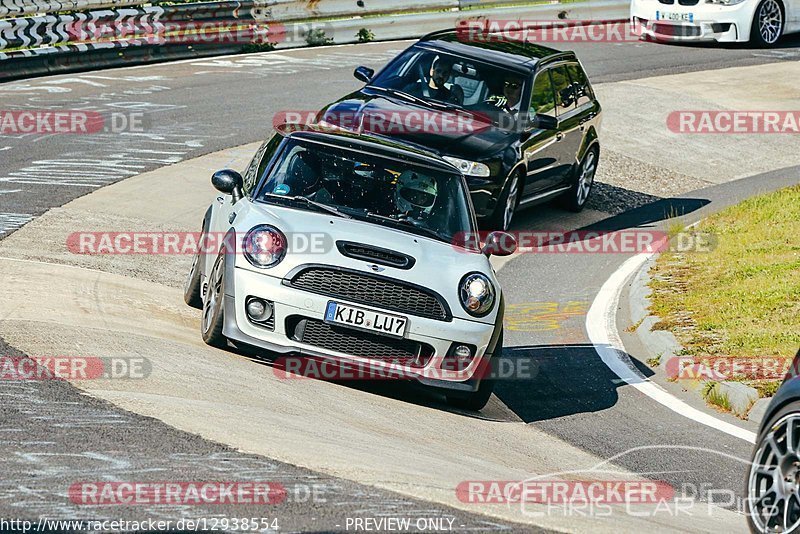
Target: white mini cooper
(352,248)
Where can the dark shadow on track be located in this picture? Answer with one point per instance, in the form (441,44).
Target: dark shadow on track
(569,379)
(536,383)
(649,214)
(787,42)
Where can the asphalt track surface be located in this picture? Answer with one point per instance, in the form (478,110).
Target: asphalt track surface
(201,106)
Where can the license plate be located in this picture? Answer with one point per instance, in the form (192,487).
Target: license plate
(674,17)
(372,321)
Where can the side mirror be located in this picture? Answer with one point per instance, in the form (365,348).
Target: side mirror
(364,74)
(499,244)
(545,122)
(229,182)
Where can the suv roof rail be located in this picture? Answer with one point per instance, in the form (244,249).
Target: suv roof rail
(437,33)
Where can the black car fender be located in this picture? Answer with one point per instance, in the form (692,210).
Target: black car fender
(788,392)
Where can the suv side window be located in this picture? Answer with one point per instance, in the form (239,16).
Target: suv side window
(565,98)
(542,98)
(259,163)
(580,84)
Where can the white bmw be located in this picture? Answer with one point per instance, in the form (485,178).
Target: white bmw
(347,247)
(762,22)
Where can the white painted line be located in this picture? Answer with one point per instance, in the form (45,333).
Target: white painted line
(601,326)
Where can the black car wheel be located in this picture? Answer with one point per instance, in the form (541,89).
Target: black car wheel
(506,204)
(773,480)
(192,285)
(213,313)
(767,26)
(576,197)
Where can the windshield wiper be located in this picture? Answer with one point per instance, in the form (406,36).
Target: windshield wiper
(398,93)
(407,223)
(309,202)
(447,106)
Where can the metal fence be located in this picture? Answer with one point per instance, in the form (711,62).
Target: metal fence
(118,31)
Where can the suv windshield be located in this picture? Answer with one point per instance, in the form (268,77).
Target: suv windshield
(390,192)
(453,80)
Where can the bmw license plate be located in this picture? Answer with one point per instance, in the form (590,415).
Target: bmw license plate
(674,17)
(377,322)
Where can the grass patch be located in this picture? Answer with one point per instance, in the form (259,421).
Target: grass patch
(715,398)
(742,299)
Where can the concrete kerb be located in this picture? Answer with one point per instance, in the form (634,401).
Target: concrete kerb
(662,346)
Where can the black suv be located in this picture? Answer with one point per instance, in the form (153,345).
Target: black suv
(526,115)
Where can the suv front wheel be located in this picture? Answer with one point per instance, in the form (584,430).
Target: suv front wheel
(576,197)
(506,204)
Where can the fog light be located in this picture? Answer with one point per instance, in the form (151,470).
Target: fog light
(259,310)
(462,352)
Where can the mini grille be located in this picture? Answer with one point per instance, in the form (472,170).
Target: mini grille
(361,344)
(375,291)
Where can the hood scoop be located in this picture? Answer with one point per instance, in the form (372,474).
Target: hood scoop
(381,256)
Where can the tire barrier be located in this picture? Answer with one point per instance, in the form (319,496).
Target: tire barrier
(62,42)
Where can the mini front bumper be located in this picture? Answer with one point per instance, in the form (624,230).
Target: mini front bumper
(290,302)
(700,22)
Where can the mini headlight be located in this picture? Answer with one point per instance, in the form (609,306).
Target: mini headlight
(477,294)
(469,168)
(264,246)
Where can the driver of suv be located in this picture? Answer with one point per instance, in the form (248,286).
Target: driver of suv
(435,87)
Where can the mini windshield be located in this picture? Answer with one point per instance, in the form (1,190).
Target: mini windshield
(408,196)
(457,81)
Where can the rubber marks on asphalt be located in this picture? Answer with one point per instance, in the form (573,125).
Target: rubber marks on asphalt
(602,330)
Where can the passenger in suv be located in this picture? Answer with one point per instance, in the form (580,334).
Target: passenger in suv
(534,118)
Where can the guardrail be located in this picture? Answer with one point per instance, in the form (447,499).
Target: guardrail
(42,44)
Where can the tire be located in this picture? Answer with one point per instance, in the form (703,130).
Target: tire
(785,468)
(213,312)
(577,196)
(507,204)
(477,400)
(768,24)
(193,285)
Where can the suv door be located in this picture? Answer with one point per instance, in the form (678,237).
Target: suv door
(570,131)
(539,151)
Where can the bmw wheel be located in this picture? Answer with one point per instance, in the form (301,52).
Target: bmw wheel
(213,314)
(767,26)
(773,480)
(576,197)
